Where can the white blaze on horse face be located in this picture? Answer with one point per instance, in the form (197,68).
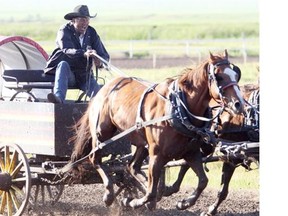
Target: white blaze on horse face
(233,75)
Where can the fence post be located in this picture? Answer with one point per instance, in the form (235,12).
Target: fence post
(244,52)
(154,60)
(131,49)
(187,48)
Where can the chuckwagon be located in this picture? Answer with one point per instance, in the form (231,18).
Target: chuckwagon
(35,145)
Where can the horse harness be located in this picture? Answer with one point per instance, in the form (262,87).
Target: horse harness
(251,119)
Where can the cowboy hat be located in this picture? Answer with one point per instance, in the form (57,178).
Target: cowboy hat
(79,11)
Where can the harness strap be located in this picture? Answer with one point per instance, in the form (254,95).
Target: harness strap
(174,89)
(137,126)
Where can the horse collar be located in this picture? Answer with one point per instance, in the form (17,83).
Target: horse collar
(182,120)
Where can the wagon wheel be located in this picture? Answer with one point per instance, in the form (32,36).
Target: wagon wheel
(14,177)
(43,194)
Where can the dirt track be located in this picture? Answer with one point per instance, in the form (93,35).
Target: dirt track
(167,62)
(86,200)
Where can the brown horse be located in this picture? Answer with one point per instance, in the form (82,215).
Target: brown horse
(233,128)
(166,120)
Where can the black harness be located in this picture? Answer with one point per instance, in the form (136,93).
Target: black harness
(182,118)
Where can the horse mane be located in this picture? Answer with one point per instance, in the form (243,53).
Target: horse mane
(81,136)
(192,77)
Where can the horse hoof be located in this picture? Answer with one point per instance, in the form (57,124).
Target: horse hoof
(108,198)
(151,205)
(182,205)
(125,202)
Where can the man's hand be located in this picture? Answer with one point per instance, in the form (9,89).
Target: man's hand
(89,53)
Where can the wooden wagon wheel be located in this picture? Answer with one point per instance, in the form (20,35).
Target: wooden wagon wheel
(45,194)
(14,176)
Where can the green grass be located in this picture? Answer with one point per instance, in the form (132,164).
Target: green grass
(242,179)
(46,30)
(250,73)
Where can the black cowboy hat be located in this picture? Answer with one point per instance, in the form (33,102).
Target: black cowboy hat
(79,11)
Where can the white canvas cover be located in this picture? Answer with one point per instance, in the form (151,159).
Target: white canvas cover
(18,52)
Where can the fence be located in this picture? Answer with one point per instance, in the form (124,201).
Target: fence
(195,48)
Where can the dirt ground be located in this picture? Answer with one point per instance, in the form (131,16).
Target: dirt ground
(84,200)
(160,62)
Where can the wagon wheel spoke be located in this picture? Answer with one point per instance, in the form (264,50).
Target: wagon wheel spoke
(14,199)
(55,192)
(15,175)
(17,169)
(43,194)
(3,202)
(2,164)
(13,161)
(9,204)
(7,158)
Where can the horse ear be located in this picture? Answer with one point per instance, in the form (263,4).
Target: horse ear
(211,55)
(226,54)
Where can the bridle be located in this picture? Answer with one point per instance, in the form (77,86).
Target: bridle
(212,79)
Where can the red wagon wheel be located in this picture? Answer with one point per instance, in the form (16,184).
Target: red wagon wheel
(14,177)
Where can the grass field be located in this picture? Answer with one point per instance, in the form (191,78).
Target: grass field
(242,179)
(135,20)
(250,73)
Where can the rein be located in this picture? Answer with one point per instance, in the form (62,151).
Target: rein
(137,126)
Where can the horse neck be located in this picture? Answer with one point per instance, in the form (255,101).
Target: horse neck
(195,85)
(198,103)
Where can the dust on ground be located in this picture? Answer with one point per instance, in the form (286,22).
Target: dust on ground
(84,200)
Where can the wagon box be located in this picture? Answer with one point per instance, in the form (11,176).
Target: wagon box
(39,128)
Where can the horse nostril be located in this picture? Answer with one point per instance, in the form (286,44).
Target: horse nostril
(237,106)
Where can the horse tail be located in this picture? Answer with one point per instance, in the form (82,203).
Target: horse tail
(81,138)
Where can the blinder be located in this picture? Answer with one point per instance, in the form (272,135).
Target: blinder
(237,70)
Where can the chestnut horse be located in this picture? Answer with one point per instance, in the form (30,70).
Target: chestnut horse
(167,118)
(233,128)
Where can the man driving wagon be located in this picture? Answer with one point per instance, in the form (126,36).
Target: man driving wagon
(72,60)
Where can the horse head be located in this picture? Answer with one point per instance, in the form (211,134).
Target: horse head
(223,83)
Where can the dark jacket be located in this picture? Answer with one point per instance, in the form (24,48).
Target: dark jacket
(68,48)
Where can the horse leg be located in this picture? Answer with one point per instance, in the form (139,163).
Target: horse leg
(169,190)
(195,162)
(108,196)
(135,164)
(227,173)
(156,164)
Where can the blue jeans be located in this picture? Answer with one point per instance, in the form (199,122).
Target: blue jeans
(64,77)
